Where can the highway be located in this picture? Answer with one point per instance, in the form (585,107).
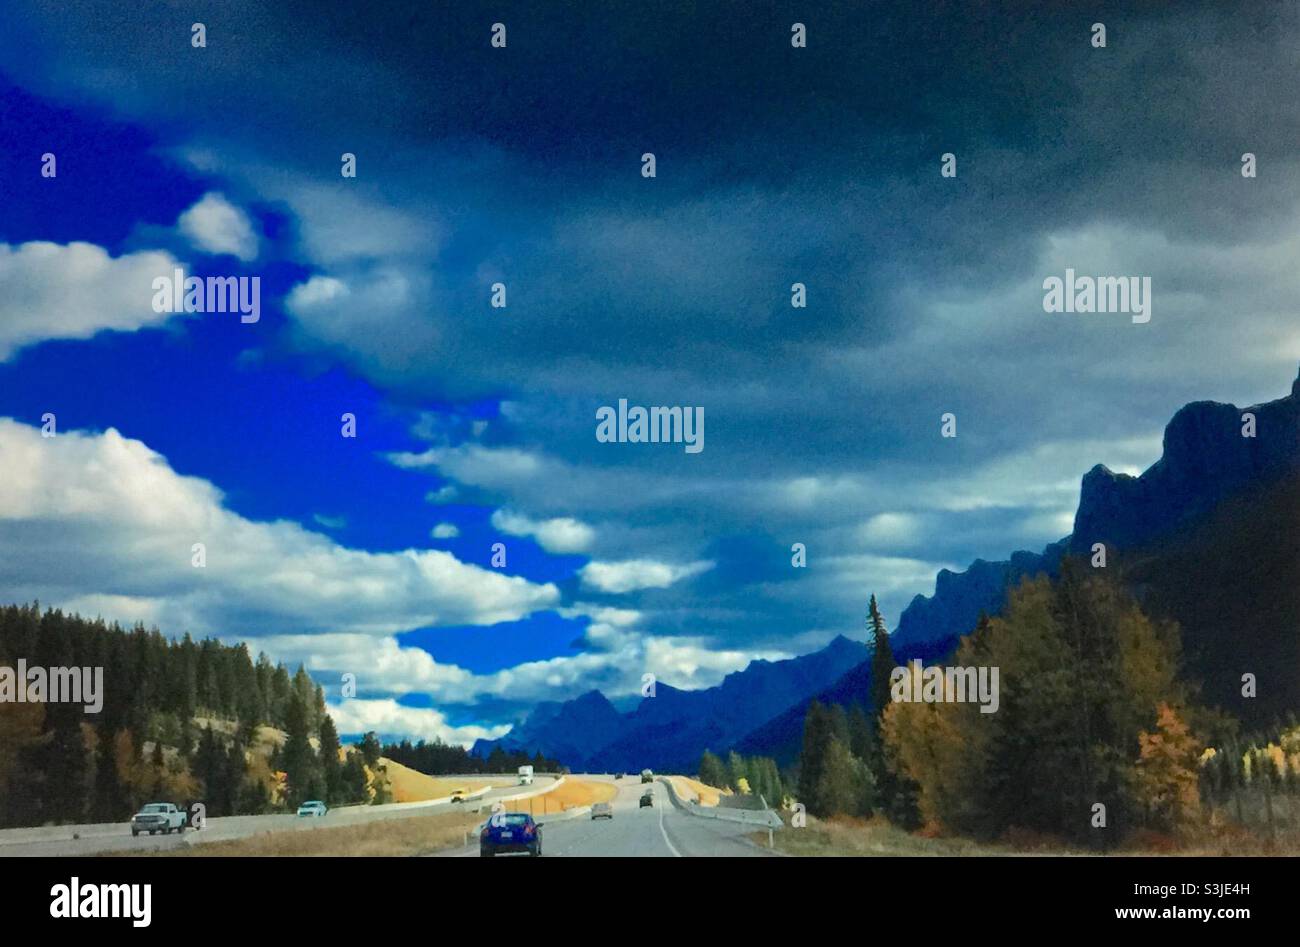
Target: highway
(661,831)
(116,837)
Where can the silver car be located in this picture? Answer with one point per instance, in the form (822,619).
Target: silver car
(602,810)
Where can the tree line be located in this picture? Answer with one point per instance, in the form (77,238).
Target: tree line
(757,775)
(181,721)
(441,759)
(1096,736)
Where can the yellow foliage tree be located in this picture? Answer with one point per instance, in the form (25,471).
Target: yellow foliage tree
(1167,770)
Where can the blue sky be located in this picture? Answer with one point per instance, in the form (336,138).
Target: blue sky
(372,555)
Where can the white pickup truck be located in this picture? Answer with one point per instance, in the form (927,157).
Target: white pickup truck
(158,817)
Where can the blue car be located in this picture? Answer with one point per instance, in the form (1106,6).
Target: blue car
(510,832)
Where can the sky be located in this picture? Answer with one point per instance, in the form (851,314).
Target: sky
(475,425)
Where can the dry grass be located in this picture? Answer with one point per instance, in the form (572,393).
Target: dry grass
(408,785)
(582,792)
(416,835)
(708,795)
(876,837)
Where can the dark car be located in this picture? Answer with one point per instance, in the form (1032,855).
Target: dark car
(510,832)
(647,800)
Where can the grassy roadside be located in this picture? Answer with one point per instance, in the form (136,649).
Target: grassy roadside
(415,835)
(873,837)
(877,838)
(708,795)
(408,785)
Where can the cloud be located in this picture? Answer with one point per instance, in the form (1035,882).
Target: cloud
(445,531)
(392,720)
(216,226)
(72,291)
(559,535)
(633,574)
(103,515)
(385,668)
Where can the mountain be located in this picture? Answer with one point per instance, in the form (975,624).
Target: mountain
(1205,460)
(1208,536)
(562,730)
(671,729)
(959,597)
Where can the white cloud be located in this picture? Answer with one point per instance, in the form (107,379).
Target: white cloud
(560,535)
(215,225)
(53,291)
(102,515)
(388,718)
(381,665)
(445,531)
(491,467)
(631,575)
(386,668)
(893,530)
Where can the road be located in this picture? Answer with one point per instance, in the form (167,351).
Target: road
(660,831)
(116,837)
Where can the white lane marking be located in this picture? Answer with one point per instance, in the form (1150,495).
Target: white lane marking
(662,831)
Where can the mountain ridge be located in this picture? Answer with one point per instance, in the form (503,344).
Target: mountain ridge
(672,728)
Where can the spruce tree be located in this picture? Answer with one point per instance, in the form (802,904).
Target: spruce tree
(298,760)
(331,766)
(817,738)
(882,659)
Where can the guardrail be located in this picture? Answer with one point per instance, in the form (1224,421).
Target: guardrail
(765,818)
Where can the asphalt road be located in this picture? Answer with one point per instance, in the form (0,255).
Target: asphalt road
(660,831)
(116,837)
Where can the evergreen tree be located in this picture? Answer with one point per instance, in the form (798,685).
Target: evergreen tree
(331,766)
(813,760)
(712,771)
(736,771)
(371,750)
(861,735)
(882,659)
(354,779)
(298,759)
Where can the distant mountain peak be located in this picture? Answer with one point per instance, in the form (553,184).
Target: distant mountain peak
(1204,460)
(672,728)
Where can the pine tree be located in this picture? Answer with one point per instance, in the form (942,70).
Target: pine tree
(882,659)
(712,771)
(354,779)
(331,766)
(861,736)
(817,738)
(298,760)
